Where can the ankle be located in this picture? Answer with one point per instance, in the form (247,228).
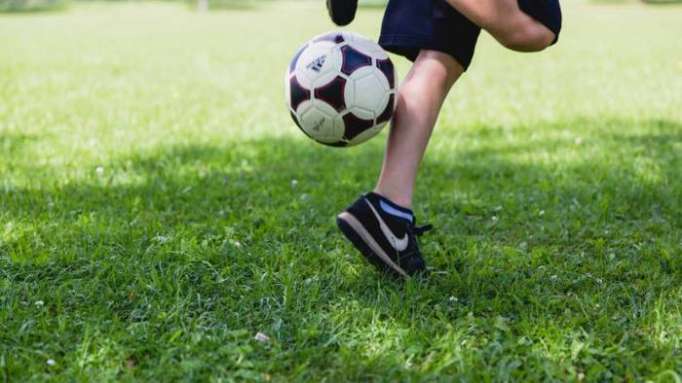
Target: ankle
(399,199)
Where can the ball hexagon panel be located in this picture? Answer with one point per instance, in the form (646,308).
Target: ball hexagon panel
(366,92)
(292,65)
(293,117)
(333,94)
(353,59)
(335,37)
(386,67)
(366,135)
(388,111)
(297,93)
(355,126)
(318,64)
(365,46)
(321,122)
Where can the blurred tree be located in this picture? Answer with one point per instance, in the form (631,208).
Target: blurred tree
(32,5)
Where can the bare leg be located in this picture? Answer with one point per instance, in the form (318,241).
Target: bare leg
(419,101)
(505,21)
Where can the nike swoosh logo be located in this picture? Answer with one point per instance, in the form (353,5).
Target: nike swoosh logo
(400,244)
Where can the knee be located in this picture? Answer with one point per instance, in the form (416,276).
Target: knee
(532,37)
(434,69)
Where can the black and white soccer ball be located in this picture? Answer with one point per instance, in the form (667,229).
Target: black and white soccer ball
(340,89)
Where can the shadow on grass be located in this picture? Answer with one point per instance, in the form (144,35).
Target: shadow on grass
(243,237)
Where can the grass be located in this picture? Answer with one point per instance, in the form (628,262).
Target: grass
(158,208)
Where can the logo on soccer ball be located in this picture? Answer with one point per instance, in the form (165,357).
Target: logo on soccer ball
(318,125)
(317,64)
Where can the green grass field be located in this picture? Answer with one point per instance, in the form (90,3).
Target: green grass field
(158,208)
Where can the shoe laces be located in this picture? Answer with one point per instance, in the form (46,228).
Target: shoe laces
(419,230)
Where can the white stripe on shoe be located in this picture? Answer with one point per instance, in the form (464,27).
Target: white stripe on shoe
(400,244)
(369,241)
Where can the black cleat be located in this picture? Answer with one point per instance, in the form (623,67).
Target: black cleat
(388,242)
(342,12)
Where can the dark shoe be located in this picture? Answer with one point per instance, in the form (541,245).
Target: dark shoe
(387,241)
(342,12)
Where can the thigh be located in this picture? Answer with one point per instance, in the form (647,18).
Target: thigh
(441,68)
(522,25)
(492,15)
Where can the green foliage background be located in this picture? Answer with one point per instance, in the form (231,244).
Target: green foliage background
(32,5)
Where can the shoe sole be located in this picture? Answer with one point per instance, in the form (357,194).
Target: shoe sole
(365,243)
(340,20)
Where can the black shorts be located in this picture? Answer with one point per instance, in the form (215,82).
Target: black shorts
(412,25)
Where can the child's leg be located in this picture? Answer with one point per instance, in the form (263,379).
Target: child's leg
(507,23)
(420,98)
(381,225)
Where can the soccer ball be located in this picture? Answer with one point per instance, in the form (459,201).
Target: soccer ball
(340,89)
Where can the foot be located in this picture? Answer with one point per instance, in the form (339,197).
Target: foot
(385,234)
(342,12)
